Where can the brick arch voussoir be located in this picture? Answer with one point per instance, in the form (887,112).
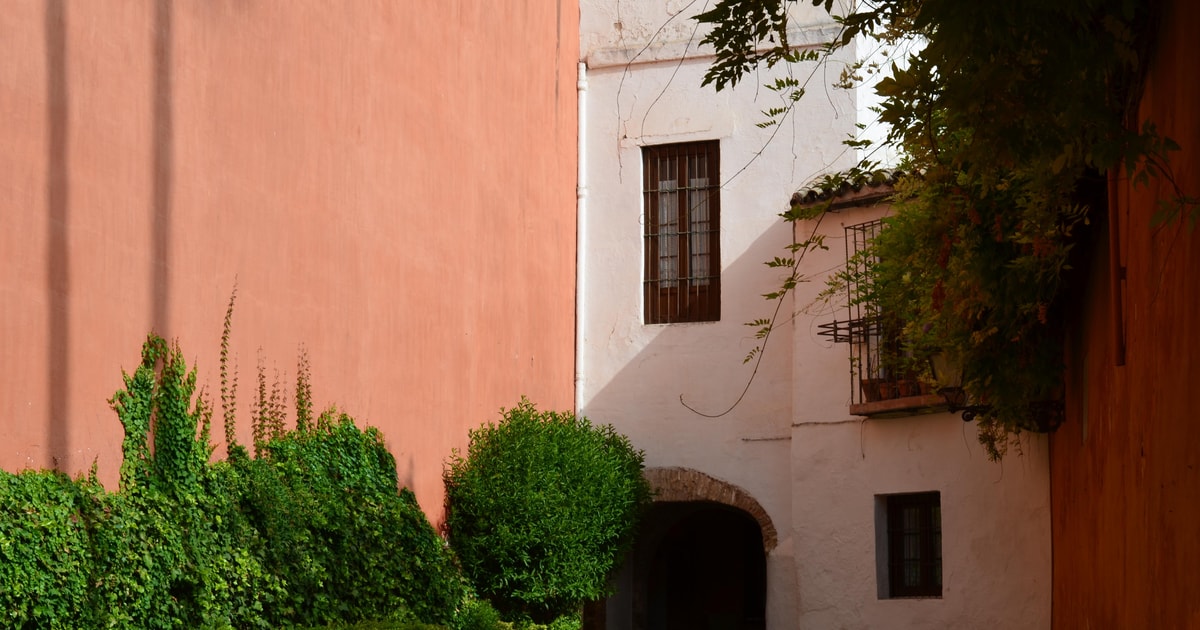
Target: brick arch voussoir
(685,484)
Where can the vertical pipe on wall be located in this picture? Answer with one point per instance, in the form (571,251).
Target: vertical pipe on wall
(580,237)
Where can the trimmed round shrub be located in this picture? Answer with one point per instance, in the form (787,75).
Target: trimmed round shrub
(542,509)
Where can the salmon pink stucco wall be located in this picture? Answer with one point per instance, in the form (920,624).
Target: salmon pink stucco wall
(390,184)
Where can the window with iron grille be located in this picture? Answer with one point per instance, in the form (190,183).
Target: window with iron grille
(874,336)
(682,280)
(914,544)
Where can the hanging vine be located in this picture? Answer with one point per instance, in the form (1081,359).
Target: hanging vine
(1009,117)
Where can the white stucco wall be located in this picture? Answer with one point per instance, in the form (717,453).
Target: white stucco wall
(995,516)
(634,374)
(995,524)
(790,442)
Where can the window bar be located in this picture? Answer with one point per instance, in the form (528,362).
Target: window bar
(681,281)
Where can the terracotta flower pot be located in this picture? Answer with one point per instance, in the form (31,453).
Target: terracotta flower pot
(873,389)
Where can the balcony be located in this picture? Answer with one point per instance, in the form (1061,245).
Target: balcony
(875,390)
(900,397)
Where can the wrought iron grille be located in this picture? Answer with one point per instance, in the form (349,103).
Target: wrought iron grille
(872,335)
(681,191)
(914,526)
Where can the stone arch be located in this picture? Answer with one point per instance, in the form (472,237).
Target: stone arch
(684,484)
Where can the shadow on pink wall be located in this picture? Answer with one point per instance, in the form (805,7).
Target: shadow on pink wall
(58,254)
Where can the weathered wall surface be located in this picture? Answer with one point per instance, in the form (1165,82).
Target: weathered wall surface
(1125,468)
(644,75)
(996,556)
(391,184)
(812,468)
(995,524)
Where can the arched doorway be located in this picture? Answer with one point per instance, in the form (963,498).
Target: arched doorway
(701,567)
(699,563)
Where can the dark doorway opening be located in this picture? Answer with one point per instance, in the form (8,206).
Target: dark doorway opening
(700,566)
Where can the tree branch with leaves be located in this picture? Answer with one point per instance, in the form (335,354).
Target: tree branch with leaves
(1009,117)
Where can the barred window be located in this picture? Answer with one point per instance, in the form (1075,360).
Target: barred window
(878,371)
(914,545)
(682,280)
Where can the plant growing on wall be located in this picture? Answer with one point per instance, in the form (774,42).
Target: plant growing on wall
(1010,115)
(313,531)
(171,548)
(326,502)
(541,510)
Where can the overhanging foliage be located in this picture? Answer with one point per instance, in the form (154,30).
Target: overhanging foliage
(1012,113)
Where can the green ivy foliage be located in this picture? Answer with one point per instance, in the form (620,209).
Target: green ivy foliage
(44,551)
(326,501)
(1010,116)
(172,547)
(315,531)
(542,509)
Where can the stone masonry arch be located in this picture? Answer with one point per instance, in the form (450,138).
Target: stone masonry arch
(685,484)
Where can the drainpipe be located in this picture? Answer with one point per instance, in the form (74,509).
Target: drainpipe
(580,237)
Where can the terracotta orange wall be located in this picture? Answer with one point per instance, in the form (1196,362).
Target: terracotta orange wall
(391,184)
(1125,468)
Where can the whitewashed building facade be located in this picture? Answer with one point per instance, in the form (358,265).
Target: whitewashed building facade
(774,513)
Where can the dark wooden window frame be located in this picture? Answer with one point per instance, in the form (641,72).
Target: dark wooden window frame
(914,546)
(682,201)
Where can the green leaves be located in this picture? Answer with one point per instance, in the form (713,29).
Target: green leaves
(975,271)
(315,531)
(542,508)
(160,392)
(1012,113)
(739,27)
(44,555)
(326,504)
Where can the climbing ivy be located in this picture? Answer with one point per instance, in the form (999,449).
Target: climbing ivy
(327,503)
(44,552)
(315,531)
(1010,116)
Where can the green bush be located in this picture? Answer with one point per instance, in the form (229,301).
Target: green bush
(172,547)
(313,532)
(383,625)
(325,501)
(566,622)
(542,509)
(476,614)
(44,552)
